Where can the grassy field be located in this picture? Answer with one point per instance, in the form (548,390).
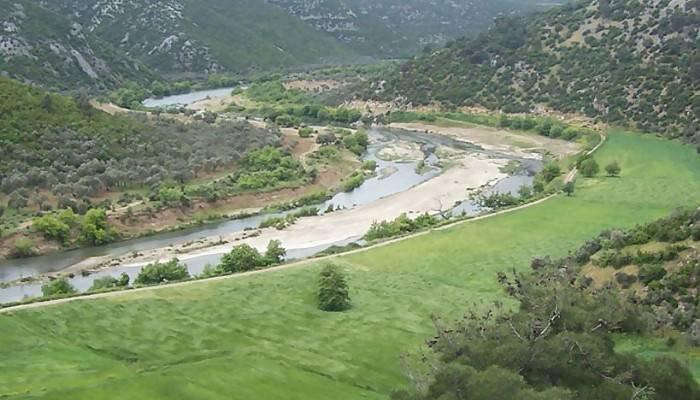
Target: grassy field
(261,337)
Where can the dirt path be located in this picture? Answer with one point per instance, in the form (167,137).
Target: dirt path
(570,176)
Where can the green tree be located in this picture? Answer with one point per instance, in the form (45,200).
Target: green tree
(58,287)
(333,292)
(613,169)
(550,171)
(52,227)
(589,167)
(94,229)
(242,258)
(155,273)
(275,252)
(569,188)
(558,344)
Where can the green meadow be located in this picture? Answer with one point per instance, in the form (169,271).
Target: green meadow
(262,337)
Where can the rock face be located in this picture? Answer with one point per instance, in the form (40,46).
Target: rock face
(37,45)
(151,31)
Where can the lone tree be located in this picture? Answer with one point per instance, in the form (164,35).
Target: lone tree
(333,291)
(569,188)
(590,168)
(613,169)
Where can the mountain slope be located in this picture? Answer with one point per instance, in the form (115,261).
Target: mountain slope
(40,46)
(399,28)
(617,60)
(176,36)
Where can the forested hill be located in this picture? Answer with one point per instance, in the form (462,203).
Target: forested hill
(60,150)
(44,47)
(635,61)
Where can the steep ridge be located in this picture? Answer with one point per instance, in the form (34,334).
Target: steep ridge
(40,46)
(177,36)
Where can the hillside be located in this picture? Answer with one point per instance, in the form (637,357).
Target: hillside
(59,151)
(65,44)
(37,45)
(261,336)
(619,61)
(400,28)
(187,36)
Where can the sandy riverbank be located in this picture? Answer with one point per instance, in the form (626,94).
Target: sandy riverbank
(520,144)
(437,194)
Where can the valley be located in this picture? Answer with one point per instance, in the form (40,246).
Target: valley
(397,286)
(389,199)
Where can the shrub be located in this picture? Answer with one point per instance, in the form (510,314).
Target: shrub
(550,171)
(399,226)
(52,227)
(155,273)
(333,291)
(275,252)
(589,168)
(57,287)
(23,247)
(305,132)
(625,280)
(94,229)
(354,181)
(242,258)
(613,169)
(109,282)
(651,273)
(569,188)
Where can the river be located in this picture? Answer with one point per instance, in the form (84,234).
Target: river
(403,177)
(186,98)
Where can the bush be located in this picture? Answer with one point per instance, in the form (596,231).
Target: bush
(589,168)
(625,280)
(613,169)
(155,273)
(354,181)
(399,226)
(305,132)
(52,227)
(58,287)
(275,252)
(550,171)
(651,273)
(23,247)
(569,188)
(242,258)
(109,282)
(94,229)
(333,292)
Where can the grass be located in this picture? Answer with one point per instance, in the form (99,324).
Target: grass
(262,337)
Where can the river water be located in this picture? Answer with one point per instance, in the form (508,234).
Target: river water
(404,177)
(187,98)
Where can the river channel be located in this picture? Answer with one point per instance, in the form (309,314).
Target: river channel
(401,176)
